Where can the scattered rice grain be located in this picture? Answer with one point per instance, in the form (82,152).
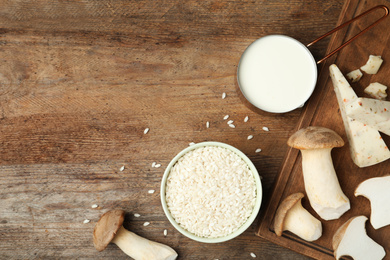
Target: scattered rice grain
(265,128)
(157,165)
(94,206)
(232,126)
(165,232)
(258,150)
(153,164)
(225,117)
(223,95)
(151,191)
(86,221)
(137,215)
(208,124)
(122,168)
(146,224)
(253,255)
(230,122)
(192,143)
(250,137)
(246,119)
(146,131)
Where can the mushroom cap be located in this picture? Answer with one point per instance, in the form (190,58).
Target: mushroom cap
(339,234)
(315,137)
(284,207)
(106,228)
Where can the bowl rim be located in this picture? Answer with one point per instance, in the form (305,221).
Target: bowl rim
(248,222)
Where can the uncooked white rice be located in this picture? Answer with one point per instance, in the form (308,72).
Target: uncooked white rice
(165,232)
(230,122)
(253,255)
(146,131)
(122,168)
(232,126)
(225,117)
(158,165)
(250,137)
(146,224)
(223,95)
(94,206)
(208,124)
(210,191)
(246,119)
(150,191)
(192,143)
(137,215)
(265,128)
(258,150)
(86,221)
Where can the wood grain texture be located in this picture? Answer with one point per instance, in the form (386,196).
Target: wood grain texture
(323,110)
(81,80)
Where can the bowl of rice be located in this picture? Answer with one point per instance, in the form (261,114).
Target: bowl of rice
(211,192)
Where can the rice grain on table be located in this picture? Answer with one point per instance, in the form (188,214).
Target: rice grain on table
(223,95)
(137,215)
(250,137)
(230,122)
(265,128)
(210,191)
(208,124)
(146,131)
(246,119)
(225,117)
(231,125)
(258,150)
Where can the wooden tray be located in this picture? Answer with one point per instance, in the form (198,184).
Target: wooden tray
(322,110)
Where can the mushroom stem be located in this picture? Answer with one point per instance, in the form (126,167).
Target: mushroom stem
(141,248)
(300,222)
(321,184)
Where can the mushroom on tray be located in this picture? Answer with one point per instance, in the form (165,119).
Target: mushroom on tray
(293,217)
(321,183)
(109,229)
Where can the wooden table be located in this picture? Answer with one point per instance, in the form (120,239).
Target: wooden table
(81,80)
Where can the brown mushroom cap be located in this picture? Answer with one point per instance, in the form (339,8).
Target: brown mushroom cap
(284,207)
(339,234)
(106,228)
(315,137)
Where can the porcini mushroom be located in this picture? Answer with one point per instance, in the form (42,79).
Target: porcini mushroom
(321,183)
(378,192)
(351,239)
(109,229)
(293,217)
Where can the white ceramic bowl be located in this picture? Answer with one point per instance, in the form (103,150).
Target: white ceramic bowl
(248,222)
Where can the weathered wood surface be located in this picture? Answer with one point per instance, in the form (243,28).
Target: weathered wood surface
(81,80)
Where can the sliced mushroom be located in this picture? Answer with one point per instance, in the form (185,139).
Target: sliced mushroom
(377,190)
(109,229)
(352,240)
(291,216)
(321,183)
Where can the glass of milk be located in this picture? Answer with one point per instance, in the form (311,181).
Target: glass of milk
(277,73)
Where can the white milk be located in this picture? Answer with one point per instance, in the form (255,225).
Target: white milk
(277,73)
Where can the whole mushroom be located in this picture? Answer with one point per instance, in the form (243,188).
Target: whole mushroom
(109,229)
(321,183)
(291,216)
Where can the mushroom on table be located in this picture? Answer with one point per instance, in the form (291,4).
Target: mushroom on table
(291,216)
(321,183)
(109,229)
